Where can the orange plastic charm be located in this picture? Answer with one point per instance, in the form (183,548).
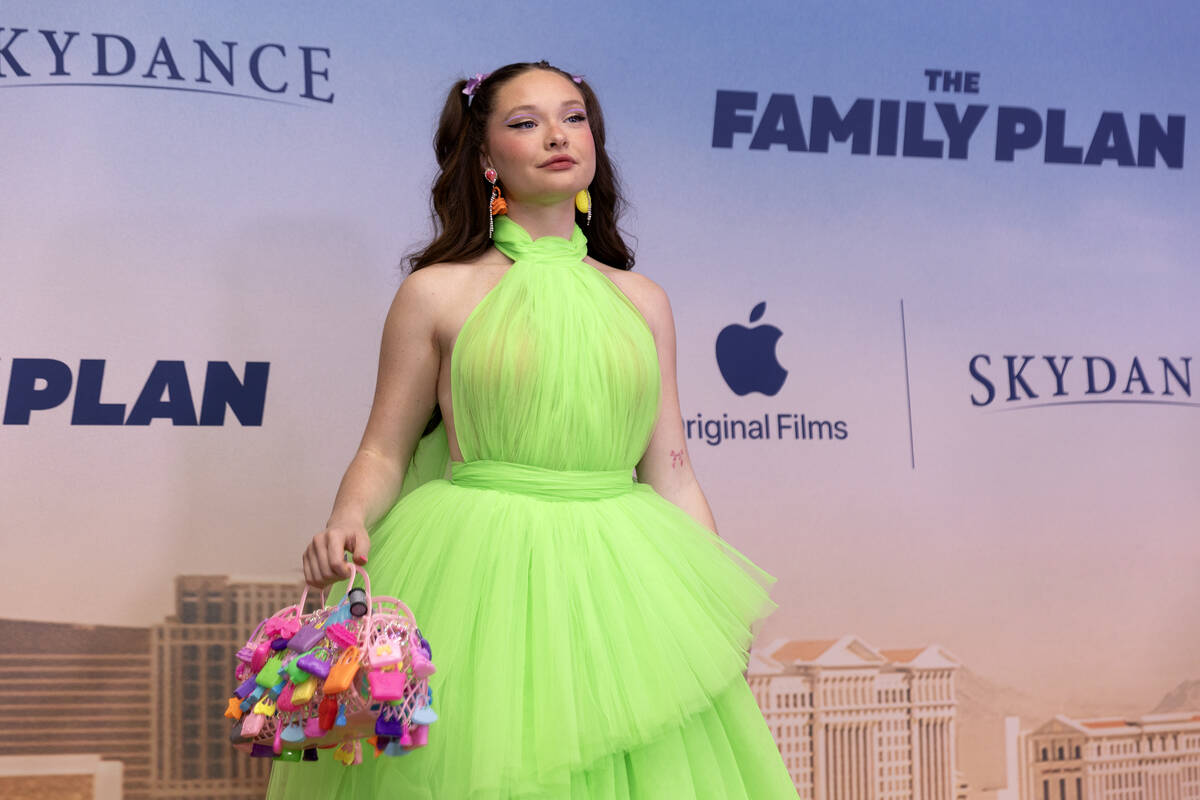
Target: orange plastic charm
(341,674)
(234,709)
(499,206)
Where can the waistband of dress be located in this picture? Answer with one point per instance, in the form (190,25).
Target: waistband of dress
(546,484)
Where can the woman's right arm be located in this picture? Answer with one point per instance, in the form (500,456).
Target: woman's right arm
(405,396)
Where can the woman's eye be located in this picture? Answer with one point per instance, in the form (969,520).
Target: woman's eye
(577,118)
(525,124)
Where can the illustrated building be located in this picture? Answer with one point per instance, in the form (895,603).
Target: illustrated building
(193,659)
(152,699)
(70,691)
(1153,757)
(856,723)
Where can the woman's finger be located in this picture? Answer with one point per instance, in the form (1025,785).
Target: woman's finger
(320,553)
(336,550)
(310,575)
(359,545)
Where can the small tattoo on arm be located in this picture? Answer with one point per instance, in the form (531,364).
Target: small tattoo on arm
(676,458)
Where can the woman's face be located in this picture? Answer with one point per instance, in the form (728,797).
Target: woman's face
(538,138)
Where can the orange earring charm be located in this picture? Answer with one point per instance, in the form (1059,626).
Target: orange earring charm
(498,207)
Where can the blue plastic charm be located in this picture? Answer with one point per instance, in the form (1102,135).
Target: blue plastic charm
(424,716)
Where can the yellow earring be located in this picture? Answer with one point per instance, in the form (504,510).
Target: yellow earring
(583,202)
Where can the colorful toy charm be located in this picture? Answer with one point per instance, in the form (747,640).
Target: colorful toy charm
(356,670)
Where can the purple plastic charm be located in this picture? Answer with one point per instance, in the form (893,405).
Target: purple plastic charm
(246,688)
(305,639)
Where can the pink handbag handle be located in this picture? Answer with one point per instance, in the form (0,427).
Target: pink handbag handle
(355,571)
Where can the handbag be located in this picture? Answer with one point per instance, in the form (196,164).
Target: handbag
(346,672)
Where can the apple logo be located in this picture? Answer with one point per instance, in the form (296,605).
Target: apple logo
(746,357)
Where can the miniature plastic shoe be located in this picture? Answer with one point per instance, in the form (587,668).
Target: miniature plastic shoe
(344,753)
(341,636)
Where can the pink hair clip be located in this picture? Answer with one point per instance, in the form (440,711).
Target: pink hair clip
(473,83)
(577,78)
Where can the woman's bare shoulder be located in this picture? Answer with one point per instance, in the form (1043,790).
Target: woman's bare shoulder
(446,281)
(443,293)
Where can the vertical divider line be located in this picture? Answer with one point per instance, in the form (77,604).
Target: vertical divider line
(912,452)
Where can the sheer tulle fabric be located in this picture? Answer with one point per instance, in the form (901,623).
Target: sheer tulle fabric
(589,635)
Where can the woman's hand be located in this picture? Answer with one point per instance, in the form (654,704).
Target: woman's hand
(324,558)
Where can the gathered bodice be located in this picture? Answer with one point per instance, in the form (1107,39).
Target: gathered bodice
(555,368)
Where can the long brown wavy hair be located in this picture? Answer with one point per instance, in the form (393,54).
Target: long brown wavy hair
(460,194)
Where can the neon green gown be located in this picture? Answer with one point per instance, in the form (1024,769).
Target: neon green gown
(589,635)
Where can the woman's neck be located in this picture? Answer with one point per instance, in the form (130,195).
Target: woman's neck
(538,221)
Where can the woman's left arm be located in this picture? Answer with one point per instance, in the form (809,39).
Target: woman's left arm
(666,465)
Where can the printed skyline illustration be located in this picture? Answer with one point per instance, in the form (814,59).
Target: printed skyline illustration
(161,692)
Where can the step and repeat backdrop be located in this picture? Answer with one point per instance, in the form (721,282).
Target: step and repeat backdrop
(933,274)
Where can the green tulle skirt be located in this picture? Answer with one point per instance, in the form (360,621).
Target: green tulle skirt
(589,635)
(590,639)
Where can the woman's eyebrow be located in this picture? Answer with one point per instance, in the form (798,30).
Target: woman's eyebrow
(512,112)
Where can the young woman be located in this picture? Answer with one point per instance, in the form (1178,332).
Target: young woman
(590,629)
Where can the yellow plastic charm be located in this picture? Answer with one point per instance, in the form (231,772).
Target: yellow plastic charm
(266,707)
(304,692)
(583,201)
(344,753)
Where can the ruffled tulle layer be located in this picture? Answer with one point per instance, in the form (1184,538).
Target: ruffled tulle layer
(722,753)
(585,648)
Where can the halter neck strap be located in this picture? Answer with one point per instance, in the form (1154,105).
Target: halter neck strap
(513,240)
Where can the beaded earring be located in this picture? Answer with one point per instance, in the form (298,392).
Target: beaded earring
(497,206)
(583,202)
